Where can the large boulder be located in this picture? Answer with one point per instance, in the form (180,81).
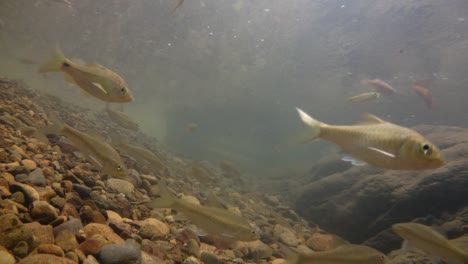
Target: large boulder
(360,202)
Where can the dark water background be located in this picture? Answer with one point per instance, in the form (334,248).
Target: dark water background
(238,68)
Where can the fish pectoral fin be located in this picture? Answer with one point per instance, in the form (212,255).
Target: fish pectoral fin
(69,79)
(100,87)
(94,161)
(353,160)
(368,118)
(407,246)
(388,154)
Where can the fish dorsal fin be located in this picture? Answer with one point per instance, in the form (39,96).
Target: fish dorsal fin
(99,86)
(368,118)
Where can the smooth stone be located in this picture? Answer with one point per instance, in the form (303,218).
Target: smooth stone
(153,228)
(113,217)
(50,249)
(255,249)
(193,248)
(45,259)
(191,199)
(286,235)
(90,260)
(72,256)
(58,202)
(279,261)
(18,197)
(93,245)
(36,177)
(209,258)
(88,215)
(6,257)
(21,249)
(120,186)
(29,164)
(43,210)
(126,253)
(29,192)
(4,192)
(102,229)
(66,240)
(43,233)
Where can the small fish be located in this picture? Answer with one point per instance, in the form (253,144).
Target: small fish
(345,254)
(425,94)
(214,221)
(378,143)
(121,119)
(179,4)
(364,97)
(95,79)
(191,127)
(27,61)
(380,86)
(141,153)
(427,239)
(95,149)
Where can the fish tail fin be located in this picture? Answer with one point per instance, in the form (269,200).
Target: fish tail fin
(166,200)
(313,124)
(55,62)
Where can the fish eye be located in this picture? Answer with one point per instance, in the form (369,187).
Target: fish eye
(119,168)
(123,90)
(426,149)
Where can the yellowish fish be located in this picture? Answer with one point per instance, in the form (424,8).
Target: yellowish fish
(345,254)
(364,97)
(94,148)
(427,239)
(213,221)
(378,143)
(94,79)
(141,153)
(191,127)
(380,86)
(121,119)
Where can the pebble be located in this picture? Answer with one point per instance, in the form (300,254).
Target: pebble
(320,242)
(126,253)
(45,259)
(93,245)
(29,164)
(255,249)
(21,249)
(50,249)
(29,192)
(209,258)
(36,177)
(120,186)
(43,233)
(279,261)
(190,199)
(6,257)
(90,260)
(66,240)
(113,217)
(286,235)
(72,256)
(43,211)
(102,229)
(153,228)
(18,197)
(193,248)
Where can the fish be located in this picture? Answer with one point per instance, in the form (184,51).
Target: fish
(212,220)
(141,153)
(121,119)
(94,148)
(380,86)
(191,127)
(179,4)
(94,79)
(432,242)
(364,97)
(425,94)
(345,254)
(378,143)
